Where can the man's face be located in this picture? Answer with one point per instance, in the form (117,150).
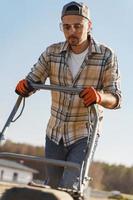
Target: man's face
(75,29)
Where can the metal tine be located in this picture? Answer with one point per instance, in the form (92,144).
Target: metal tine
(90,152)
(11,116)
(59,163)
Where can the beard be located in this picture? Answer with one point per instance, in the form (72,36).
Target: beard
(73,40)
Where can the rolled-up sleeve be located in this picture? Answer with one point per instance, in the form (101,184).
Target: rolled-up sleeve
(111,78)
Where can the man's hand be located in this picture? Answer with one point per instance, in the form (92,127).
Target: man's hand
(90,96)
(24,88)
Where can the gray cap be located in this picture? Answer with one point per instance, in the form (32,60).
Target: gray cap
(74,8)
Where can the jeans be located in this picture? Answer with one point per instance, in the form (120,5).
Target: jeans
(59,176)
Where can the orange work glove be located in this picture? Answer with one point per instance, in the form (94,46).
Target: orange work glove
(90,96)
(24,88)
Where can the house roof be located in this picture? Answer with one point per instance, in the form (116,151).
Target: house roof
(15,165)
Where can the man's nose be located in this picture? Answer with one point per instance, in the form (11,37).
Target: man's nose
(72,29)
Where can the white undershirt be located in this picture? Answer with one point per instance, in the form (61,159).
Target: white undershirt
(75,61)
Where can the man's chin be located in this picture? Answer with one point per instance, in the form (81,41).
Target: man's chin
(73,43)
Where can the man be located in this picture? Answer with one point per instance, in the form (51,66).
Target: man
(77,62)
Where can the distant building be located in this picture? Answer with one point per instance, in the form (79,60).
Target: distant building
(11,171)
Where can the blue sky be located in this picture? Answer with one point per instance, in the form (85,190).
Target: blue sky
(26,29)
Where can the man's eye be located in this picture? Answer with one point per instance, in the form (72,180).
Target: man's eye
(76,26)
(67,27)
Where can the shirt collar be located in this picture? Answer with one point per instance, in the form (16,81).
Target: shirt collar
(64,47)
(95,46)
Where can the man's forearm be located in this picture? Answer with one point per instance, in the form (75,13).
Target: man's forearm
(108,100)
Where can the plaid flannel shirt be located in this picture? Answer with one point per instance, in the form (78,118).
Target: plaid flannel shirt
(69,117)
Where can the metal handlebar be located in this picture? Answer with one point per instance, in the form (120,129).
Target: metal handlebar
(71,90)
(58,88)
